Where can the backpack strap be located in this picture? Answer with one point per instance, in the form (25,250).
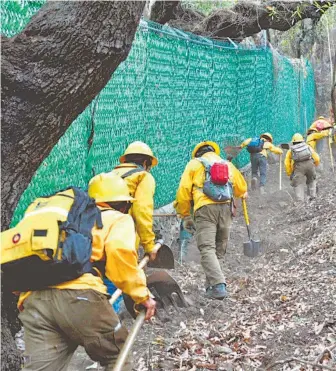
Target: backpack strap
(207,166)
(138,169)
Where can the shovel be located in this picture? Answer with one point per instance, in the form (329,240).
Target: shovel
(232,152)
(252,247)
(164,259)
(166,292)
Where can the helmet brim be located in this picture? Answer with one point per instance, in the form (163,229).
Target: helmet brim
(116,199)
(155,161)
(214,145)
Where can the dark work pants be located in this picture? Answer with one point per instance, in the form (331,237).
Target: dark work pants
(259,164)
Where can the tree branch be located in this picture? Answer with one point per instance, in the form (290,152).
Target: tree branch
(244,19)
(163,11)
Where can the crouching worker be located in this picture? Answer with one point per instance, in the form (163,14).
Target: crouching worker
(300,164)
(258,148)
(59,317)
(209,183)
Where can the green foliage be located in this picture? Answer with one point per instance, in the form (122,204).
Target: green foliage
(323,7)
(206,7)
(272,12)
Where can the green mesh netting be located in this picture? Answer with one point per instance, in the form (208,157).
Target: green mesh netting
(173,91)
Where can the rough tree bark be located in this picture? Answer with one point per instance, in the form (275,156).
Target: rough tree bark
(50,73)
(243,20)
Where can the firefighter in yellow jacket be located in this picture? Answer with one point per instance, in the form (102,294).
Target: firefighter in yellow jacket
(258,148)
(314,136)
(77,312)
(213,218)
(300,164)
(135,165)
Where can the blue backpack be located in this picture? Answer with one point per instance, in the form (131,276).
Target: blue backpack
(256,145)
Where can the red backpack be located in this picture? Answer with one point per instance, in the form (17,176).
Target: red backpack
(217,185)
(219,173)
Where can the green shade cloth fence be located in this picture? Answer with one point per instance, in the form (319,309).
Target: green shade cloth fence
(174,90)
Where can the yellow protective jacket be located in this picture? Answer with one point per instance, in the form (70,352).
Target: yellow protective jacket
(268,146)
(289,163)
(325,121)
(114,244)
(192,181)
(142,188)
(314,137)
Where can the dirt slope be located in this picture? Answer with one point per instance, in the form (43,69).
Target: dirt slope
(281,305)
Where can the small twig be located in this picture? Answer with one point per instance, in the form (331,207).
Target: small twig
(165,215)
(290,196)
(283,361)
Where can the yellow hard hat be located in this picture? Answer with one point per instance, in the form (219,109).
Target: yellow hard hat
(139,148)
(297,137)
(214,145)
(267,136)
(109,187)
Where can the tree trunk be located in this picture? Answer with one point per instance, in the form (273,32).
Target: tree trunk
(50,72)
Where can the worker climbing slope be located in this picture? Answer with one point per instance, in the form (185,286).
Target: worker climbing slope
(209,184)
(300,164)
(258,148)
(59,318)
(313,136)
(135,165)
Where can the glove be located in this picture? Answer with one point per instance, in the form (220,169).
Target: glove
(189,224)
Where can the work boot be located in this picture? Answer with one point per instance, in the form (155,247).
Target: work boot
(254,183)
(262,190)
(312,189)
(217,291)
(299,192)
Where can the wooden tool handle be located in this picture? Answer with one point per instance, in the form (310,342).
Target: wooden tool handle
(164,215)
(245,212)
(129,341)
(141,265)
(331,154)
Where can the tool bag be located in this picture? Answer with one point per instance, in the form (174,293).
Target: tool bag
(301,152)
(217,185)
(52,244)
(256,145)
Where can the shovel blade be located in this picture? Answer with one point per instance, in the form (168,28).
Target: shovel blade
(284,146)
(164,259)
(166,292)
(251,248)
